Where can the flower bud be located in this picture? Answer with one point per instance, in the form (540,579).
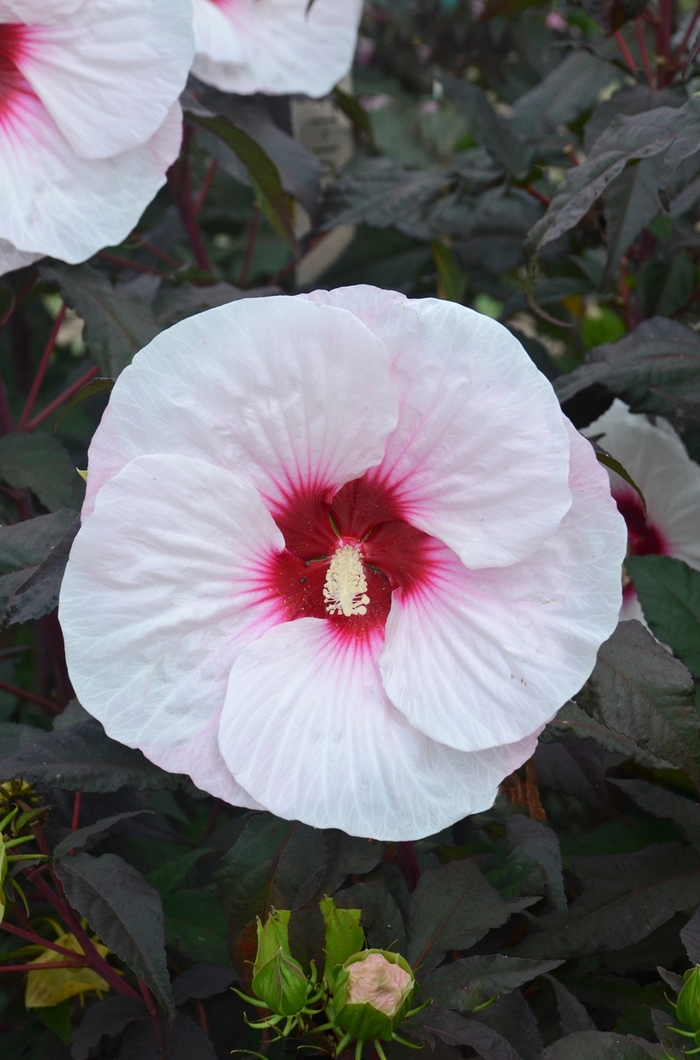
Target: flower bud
(278,980)
(688,1005)
(372,994)
(344,936)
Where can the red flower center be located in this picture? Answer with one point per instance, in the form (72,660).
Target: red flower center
(392,554)
(643,538)
(14,39)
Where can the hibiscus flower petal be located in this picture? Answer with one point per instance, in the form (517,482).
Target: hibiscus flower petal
(481,658)
(657,460)
(276,46)
(11,258)
(52,202)
(161,593)
(271,403)
(42,11)
(480,458)
(301,695)
(110,72)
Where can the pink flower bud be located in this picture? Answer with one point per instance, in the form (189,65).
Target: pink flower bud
(377,982)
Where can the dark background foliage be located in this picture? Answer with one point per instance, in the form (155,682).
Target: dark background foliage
(543,167)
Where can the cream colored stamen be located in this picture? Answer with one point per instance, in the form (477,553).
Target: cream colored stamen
(345,591)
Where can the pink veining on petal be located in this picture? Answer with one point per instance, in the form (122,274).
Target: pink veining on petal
(643,537)
(15,90)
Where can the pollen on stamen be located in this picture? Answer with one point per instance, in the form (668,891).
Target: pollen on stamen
(345,591)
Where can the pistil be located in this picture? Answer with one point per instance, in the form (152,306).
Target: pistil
(345,591)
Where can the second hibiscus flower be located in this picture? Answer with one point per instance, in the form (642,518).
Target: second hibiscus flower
(342,557)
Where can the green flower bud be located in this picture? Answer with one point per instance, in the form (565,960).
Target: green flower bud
(688,1005)
(372,994)
(344,936)
(278,980)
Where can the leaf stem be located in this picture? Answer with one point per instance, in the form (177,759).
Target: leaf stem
(643,51)
(48,966)
(126,263)
(57,402)
(31,697)
(180,184)
(41,370)
(37,940)
(626,53)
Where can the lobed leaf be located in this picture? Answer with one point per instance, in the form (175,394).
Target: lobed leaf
(125,911)
(452,908)
(641,691)
(116,326)
(83,758)
(669,592)
(471,981)
(624,898)
(40,462)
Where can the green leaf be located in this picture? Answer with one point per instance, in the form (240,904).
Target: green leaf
(83,758)
(453,279)
(108,1017)
(660,802)
(627,139)
(489,129)
(669,592)
(642,692)
(381,916)
(116,325)
(456,1030)
(95,386)
(361,121)
(195,924)
(265,869)
(174,872)
(452,908)
(610,462)
(468,983)
(262,171)
(598,1045)
(568,91)
(659,355)
(79,838)
(571,718)
(537,842)
(125,911)
(624,898)
(40,462)
(33,556)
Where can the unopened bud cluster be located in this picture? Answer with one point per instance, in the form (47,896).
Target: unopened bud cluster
(363,995)
(10,828)
(688,1009)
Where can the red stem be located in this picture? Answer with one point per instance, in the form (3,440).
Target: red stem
(204,190)
(7,423)
(57,402)
(145,244)
(180,184)
(408,863)
(544,199)
(643,51)
(250,246)
(37,940)
(125,263)
(41,967)
(31,697)
(688,33)
(76,811)
(663,40)
(626,53)
(97,962)
(41,370)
